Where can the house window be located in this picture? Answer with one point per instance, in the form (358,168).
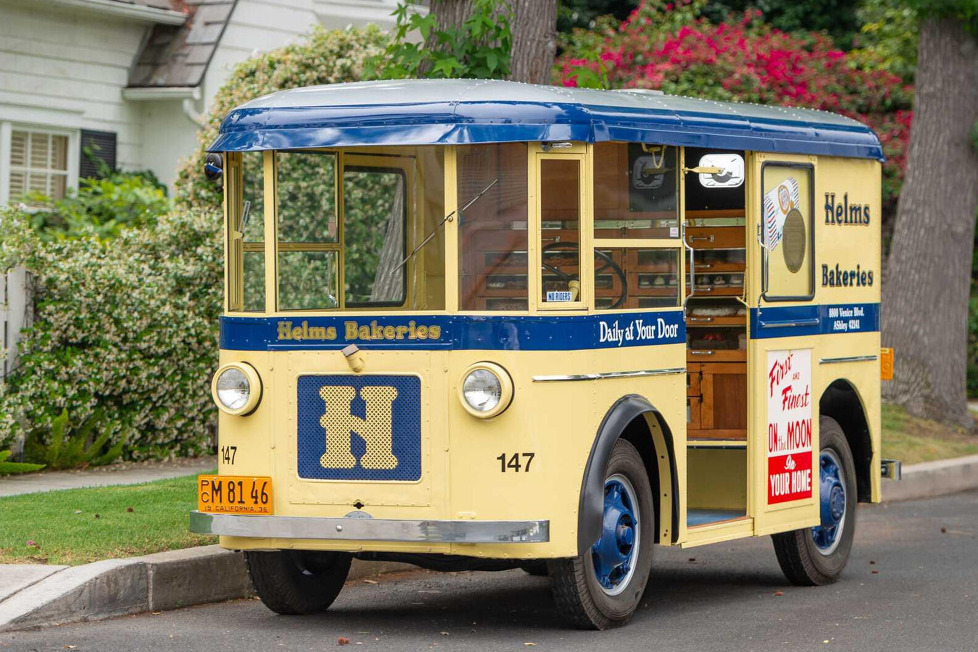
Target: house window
(38,163)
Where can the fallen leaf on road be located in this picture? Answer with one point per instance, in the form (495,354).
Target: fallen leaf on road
(778,594)
(875,572)
(342,640)
(943,530)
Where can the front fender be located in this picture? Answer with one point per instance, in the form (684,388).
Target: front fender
(591,508)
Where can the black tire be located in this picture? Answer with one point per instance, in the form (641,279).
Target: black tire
(802,562)
(579,596)
(536,568)
(298,582)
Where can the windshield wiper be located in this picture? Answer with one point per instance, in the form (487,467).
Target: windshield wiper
(447,218)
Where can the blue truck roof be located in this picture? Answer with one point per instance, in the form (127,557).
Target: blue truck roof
(458,112)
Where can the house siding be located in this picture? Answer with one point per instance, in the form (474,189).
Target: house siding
(66,68)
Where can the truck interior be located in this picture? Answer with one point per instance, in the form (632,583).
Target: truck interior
(716,351)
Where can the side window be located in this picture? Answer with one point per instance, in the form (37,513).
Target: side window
(637,250)
(246,228)
(492,241)
(636,191)
(788,237)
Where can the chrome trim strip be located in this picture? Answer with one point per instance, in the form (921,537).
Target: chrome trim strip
(370,529)
(849,358)
(788,324)
(609,374)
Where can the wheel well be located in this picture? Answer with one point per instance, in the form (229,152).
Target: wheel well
(841,402)
(638,433)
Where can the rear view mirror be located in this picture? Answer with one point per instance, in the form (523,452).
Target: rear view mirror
(214,167)
(731,171)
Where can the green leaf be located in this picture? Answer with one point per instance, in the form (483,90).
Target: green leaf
(446,66)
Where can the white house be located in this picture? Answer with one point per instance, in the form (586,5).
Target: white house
(131,76)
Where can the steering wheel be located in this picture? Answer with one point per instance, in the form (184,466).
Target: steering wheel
(609,263)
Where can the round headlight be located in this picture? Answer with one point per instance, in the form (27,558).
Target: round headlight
(486,390)
(237,388)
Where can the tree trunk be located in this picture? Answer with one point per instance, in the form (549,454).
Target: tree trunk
(534,25)
(534,40)
(925,296)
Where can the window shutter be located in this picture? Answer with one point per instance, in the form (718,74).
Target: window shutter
(101,144)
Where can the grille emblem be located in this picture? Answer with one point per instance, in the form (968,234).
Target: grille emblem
(376,428)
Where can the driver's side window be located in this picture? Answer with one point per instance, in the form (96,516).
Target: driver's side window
(637,245)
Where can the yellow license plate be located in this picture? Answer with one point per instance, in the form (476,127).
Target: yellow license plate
(234,494)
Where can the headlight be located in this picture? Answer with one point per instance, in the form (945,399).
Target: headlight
(486,390)
(237,388)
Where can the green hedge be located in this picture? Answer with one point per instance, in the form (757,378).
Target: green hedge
(125,324)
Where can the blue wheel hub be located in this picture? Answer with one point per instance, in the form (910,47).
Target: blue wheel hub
(832,494)
(614,554)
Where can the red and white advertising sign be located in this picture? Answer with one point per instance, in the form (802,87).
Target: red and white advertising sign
(789,425)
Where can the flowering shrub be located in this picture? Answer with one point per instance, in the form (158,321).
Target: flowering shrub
(126,325)
(663,46)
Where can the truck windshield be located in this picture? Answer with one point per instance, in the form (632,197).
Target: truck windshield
(345,222)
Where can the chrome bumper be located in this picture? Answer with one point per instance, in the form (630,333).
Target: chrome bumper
(370,529)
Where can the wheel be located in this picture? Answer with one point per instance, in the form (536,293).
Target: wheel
(603,587)
(816,556)
(536,568)
(297,582)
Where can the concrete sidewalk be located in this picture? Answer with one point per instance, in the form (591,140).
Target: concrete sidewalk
(104,476)
(34,596)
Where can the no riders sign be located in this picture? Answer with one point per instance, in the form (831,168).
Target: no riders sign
(789,425)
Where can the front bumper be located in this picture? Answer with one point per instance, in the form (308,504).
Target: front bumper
(370,529)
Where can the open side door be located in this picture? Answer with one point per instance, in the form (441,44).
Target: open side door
(784,323)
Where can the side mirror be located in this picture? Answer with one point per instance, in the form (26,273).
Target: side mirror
(730,172)
(214,167)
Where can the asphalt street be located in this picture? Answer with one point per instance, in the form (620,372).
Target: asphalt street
(911,584)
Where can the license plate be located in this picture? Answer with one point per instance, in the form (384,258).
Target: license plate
(234,494)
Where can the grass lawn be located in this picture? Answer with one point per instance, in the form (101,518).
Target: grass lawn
(914,440)
(77,526)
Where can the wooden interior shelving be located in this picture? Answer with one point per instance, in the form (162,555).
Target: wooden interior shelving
(716,327)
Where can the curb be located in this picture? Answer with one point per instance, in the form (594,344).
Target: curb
(931,479)
(181,578)
(160,582)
